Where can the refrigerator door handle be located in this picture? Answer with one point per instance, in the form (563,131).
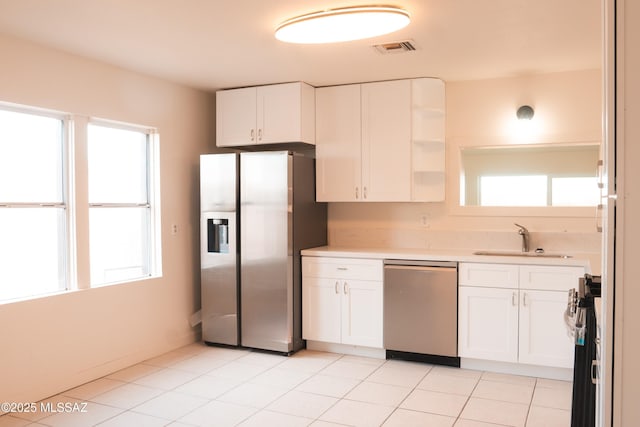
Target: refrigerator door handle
(595,366)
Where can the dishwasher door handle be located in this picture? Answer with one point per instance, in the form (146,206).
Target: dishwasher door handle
(417,268)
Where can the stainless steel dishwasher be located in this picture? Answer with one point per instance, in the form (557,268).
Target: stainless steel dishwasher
(421,311)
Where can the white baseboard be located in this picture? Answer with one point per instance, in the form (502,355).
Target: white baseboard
(564,374)
(352,350)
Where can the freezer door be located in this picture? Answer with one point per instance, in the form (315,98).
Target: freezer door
(266,251)
(219,277)
(218,182)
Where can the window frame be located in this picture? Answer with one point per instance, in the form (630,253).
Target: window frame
(549,190)
(74,227)
(455,195)
(66,226)
(154,247)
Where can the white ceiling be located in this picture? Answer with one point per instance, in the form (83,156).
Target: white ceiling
(212,44)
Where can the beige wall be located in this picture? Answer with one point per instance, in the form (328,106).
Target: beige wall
(55,343)
(569,108)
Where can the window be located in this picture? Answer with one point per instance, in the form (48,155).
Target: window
(43,220)
(538,190)
(120,203)
(530,175)
(513,190)
(575,191)
(33,214)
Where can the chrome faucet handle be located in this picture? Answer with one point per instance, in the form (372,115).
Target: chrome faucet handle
(523,229)
(525,236)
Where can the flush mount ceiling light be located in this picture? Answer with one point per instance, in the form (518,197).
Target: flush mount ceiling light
(343,24)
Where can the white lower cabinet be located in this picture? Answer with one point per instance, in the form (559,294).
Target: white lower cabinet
(321,309)
(342,301)
(488,323)
(510,323)
(543,334)
(362,313)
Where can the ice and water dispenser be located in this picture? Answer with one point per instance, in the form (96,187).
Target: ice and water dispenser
(217,235)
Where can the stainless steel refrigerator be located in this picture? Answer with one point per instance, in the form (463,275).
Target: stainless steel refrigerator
(258,211)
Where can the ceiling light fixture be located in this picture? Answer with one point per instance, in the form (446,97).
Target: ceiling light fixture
(343,24)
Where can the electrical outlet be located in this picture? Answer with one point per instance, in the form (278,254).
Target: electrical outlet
(174,229)
(424,220)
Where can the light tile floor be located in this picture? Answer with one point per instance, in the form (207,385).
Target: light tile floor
(199,385)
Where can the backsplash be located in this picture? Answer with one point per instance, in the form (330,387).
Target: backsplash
(417,238)
(430,226)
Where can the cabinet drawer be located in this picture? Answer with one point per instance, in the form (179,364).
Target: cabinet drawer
(550,278)
(488,275)
(342,268)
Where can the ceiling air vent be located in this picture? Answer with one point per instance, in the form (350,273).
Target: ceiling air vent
(395,47)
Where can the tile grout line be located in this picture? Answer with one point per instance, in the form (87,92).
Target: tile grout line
(466,402)
(360,381)
(533,392)
(415,387)
(290,388)
(161,368)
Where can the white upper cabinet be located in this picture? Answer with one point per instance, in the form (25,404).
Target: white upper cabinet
(386,141)
(338,145)
(236,117)
(265,115)
(373,145)
(427,140)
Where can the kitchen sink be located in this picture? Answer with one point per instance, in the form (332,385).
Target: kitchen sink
(521,254)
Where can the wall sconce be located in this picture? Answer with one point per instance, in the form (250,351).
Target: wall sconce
(525,113)
(524,128)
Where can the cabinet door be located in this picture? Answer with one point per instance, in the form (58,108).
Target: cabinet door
(543,333)
(343,268)
(362,313)
(488,275)
(488,323)
(236,117)
(321,299)
(386,141)
(550,277)
(279,113)
(338,144)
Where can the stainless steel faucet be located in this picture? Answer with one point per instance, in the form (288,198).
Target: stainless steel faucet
(525,237)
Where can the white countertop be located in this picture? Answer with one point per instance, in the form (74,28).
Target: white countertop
(582,260)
